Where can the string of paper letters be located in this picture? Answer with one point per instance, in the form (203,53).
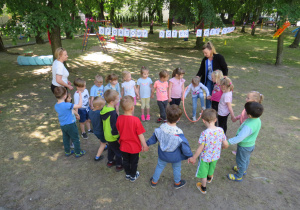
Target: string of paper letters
(123,32)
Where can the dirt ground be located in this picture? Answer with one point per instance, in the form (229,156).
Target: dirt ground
(35,174)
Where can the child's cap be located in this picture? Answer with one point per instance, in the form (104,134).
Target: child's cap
(255,109)
(174,112)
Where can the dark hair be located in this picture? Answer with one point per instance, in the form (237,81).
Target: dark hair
(144,68)
(163,74)
(178,71)
(174,112)
(111,77)
(254,109)
(59,92)
(209,115)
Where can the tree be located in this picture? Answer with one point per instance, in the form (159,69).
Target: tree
(296,41)
(2,48)
(153,6)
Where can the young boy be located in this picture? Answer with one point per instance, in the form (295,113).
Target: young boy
(109,118)
(80,85)
(210,143)
(97,89)
(245,138)
(132,140)
(94,115)
(67,121)
(173,147)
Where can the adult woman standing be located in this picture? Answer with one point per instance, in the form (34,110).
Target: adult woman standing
(211,62)
(59,72)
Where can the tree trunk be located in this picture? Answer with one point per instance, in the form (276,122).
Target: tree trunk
(112,15)
(171,14)
(2,48)
(55,39)
(38,38)
(279,50)
(101,14)
(140,18)
(243,29)
(253,31)
(199,43)
(295,44)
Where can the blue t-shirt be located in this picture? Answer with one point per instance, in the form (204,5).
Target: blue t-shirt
(145,90)
(96,120)
(64,111)
(97,91)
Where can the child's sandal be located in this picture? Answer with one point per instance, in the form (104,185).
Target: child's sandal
(233,177)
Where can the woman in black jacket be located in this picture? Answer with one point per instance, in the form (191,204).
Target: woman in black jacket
(211,62)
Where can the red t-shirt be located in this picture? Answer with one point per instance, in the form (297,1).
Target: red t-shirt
(129,128)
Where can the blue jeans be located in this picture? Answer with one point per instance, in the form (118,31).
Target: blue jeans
(195,99)
(243,159)
(160,167)
(210,86)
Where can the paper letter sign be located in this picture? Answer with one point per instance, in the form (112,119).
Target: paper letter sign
(162,34)
(101,30)
(168,34)
(212,32)
(126,32)
(199,33)
(132,33)
(145,33)
(114,32)
(181,34)
(206,32)
(217,31)
(120,32)
(224,31)
(174,34)
(186,34)
(139,33)
(107,31)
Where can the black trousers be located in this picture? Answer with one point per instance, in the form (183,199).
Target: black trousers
(222,120)
(113,150)
(130,163)
(214,105)
(175,101)
(162,108)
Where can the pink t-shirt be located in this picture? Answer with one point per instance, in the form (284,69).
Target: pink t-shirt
(161,90)
(243,116)
(223,108)
(216,93)
(176,91)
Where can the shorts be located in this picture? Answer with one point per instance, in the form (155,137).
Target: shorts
(206,168)
(100,137)
(84,115)
(145,103)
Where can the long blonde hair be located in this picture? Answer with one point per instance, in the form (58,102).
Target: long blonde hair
(218,74)
(227,82)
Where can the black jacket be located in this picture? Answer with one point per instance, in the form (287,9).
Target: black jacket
(218,63)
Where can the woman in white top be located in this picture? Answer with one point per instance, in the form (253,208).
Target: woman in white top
(59,72)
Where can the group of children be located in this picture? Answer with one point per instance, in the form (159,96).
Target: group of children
(124,133)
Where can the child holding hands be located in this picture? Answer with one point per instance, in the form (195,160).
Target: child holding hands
(128,87)
(112,80)
(176,86)
(216,94)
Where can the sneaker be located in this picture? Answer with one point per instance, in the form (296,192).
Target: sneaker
(105,147)
(201,188)
(143,117)
(233,177)
(110,164)
(72,146)
(120,168)
(180,184)
(209,179)
(83,135)
(98,158)
(69,153)
(132,179)
(90,131)
(235,168)
(194,118)
(82,152)
(147,117)
(153,184)
(127,177)
(159,120)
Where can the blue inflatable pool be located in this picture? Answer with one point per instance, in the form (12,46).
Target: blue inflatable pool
(35,61)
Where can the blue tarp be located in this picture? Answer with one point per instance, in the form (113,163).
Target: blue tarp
(34,61)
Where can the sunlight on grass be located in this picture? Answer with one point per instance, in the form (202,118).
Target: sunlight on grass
(41,71)
(279,87)
(294,118)
(104,200)
(98,57)
(235,77)
(26,158)
(54,157)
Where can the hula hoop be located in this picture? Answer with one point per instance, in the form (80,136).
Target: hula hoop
(184,107)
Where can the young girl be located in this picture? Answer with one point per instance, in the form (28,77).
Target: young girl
(113,84)
(224,107)
(196,86)
(161,87)
(217,92)
(144,86)
(176,86)
(129,88)
(252,96)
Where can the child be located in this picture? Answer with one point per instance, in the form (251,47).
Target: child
(210,143)
(94,115)
(251,96)
(67,121)
(113,84)
(224,107)
(173,147)
(132,140)
(128,87)
(176,86)
(97,89)
(109,118)
(144,86)
(216,94)
(74,114)
(161,87)
(196,86)
(245,138)
(80,85)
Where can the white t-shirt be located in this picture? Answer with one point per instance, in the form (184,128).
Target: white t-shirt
(222,107)
(129,88)
(58,68)
(85,99)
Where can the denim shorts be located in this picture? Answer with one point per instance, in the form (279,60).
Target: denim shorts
(84,115)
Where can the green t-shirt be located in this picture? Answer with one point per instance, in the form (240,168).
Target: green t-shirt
(254,124)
